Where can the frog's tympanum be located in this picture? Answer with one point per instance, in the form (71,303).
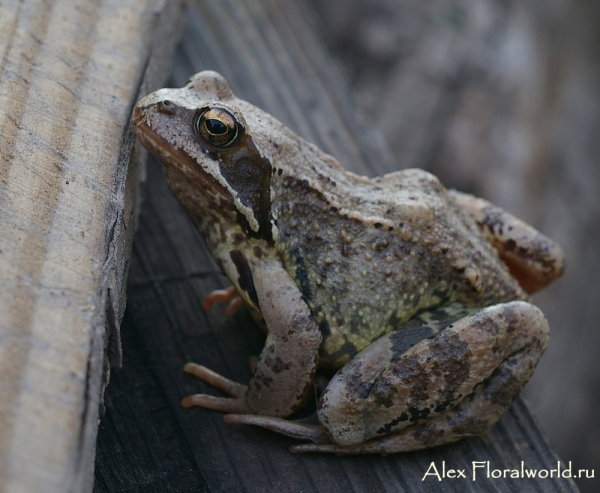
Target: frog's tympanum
(411,297)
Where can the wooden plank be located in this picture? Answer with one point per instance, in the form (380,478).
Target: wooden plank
(147,442)
(70,73)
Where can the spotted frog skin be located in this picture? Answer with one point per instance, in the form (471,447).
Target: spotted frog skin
(412,298)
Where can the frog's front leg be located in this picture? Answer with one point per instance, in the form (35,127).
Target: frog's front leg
(282,381)
(446,387)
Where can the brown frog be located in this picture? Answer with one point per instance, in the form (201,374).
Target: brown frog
(412,296)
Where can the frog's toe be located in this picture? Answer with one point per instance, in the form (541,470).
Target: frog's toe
(330,448)
(301,431)
(235,403)
(229,295)
(231,388)
(383,446)
(233,306)
(223,404)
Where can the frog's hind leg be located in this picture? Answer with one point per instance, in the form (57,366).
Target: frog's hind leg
(532,258)
(473,416)
(420,327)
(450,386)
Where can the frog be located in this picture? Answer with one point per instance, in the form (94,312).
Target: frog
(402,307)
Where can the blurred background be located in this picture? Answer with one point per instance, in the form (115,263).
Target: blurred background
(501,98)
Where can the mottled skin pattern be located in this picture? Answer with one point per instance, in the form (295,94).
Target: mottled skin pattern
(369,255)
(417,294)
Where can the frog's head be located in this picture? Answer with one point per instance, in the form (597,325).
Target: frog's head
(210,158)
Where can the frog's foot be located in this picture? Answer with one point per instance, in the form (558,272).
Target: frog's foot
(321,441)
(227,295)
(301,431)
(235,403)
(315,433)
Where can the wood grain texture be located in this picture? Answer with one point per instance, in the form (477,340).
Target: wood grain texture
(70,73)
(147,442)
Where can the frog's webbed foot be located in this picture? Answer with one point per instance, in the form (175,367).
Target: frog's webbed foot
(229,295)
(235,403)
(301,431)
(322,443)
(294,429)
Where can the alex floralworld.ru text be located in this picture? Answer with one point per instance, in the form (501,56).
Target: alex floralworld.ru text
(483,469)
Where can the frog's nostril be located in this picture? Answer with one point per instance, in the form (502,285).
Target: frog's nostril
(166,107)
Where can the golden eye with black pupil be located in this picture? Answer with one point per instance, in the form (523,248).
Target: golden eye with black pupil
(217,127)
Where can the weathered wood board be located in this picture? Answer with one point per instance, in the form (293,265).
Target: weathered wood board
(70,72)
(147,442)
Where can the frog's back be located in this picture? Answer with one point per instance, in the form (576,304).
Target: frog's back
(370,254)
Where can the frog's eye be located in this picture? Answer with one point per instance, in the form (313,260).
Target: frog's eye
(216,126)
